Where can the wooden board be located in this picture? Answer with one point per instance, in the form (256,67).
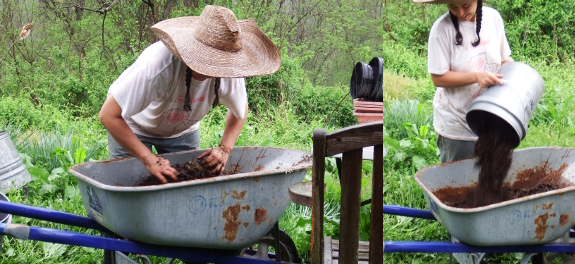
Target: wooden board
(332,249)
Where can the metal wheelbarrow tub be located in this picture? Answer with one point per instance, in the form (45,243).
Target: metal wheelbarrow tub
(534,219)
(226,212)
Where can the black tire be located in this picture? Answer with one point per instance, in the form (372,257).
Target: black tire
(288,250)
(539,259)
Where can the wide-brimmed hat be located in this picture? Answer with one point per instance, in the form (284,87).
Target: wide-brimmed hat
(440,1)
(216,44)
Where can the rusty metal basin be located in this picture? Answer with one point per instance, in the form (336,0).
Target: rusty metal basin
(227,212)
(534,219)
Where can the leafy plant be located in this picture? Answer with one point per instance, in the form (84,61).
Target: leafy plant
(417,150)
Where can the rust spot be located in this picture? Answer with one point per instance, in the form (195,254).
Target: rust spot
(137,224)
(547,206)
(541,223)
(246,207)
(553,226)
(271,221)
(260,215)
(225,194)
(259,167)
(563,219)
(246,224)
(232,224)
(257,180)
(239,196)
(215,227)
(553,215)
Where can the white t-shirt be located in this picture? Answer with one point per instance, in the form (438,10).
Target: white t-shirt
(451,105)
(151,94)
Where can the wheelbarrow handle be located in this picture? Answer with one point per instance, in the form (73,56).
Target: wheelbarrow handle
(50,215)
(72,238)
(406,211)
(452,247)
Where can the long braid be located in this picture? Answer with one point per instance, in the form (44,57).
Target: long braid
(216,101)
(478,16)
(458,37)
(187,101)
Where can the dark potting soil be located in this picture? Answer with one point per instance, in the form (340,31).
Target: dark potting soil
(186,172)
(527,182)
(494,149)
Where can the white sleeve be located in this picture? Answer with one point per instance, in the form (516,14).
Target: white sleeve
(439,50)
(133,91)
(233,95)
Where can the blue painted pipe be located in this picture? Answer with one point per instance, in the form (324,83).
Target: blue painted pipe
(406,211)
(450,247)
(77,239)
(50,215)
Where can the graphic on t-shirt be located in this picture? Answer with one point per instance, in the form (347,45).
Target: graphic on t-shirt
(480,63)
(175,121)
(176,116)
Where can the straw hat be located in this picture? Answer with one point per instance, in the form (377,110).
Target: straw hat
(216,44)
(441,1)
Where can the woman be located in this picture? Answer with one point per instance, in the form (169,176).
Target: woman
(161,98)
(467,46)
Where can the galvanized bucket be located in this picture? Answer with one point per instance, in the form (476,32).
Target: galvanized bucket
(12,170)
(514,101)
(4,218)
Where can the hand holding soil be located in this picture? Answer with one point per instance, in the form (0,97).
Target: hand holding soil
(188,171)
(162,170)
(215,159)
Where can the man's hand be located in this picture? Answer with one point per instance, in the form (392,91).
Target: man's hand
(215,159)
(486,79)
(161,168)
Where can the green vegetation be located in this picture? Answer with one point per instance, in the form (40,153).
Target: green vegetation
(54,81)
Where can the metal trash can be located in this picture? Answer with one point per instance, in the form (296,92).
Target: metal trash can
(13,172)
(514,101)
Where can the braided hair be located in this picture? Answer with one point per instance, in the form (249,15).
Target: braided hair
(188,102)
(478,17)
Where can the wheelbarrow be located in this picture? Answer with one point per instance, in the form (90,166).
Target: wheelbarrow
(531,224)
(202,220)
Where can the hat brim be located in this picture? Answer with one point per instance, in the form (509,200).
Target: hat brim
(439,1)
(258,55)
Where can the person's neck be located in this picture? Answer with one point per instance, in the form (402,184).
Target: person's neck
(198,76)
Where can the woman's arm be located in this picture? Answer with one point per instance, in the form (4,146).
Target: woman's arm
(451,79)
(217,158)
(111,117)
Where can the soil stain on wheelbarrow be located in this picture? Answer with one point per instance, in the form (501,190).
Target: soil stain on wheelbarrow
(186,172)
(528,182)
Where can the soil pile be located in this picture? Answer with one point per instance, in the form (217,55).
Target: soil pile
(188,171)
(494,149)
(527,182)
